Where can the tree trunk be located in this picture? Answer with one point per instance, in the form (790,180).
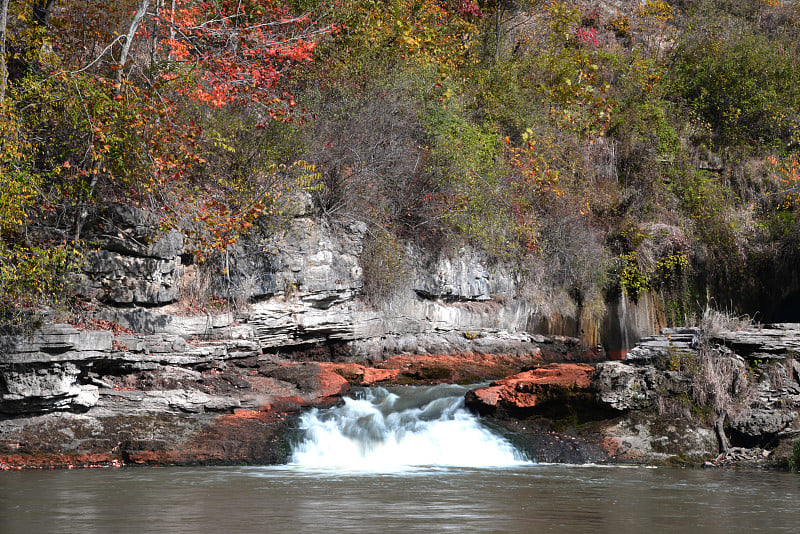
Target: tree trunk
(3,62)
(42,10)
(126,48)
(719,426)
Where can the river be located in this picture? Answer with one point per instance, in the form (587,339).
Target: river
(399,461)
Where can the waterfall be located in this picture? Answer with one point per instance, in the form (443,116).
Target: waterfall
(384,431)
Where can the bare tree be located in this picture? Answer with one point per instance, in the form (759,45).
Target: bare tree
(137,19)
(3,65)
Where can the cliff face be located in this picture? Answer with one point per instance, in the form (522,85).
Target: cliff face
(165,381)
(683,396)
(168,382)
(302,285)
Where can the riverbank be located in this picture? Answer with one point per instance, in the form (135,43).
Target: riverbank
(143,376)
(216,402)
(725,398)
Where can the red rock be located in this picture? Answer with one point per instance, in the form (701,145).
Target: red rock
(531,388)
(467,367)
(434,368)
(363,376)
(372,375)
(331,384)
(489,396)
(315,381)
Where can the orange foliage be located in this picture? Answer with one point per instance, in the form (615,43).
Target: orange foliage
(237,51)
(787,175)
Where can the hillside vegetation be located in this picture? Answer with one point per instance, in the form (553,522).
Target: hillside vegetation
(598,147)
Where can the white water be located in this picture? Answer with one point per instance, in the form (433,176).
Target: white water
(383,431)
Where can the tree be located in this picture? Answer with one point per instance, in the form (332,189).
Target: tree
(120,105)
(3,63)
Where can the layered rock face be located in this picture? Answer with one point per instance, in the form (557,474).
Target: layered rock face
(684,396)
(302,285)
(40,372)
(166,383)
(743,384)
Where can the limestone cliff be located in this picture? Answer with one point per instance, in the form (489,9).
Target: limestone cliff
(150,376)
(151,373)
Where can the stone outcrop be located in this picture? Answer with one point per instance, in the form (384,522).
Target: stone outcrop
(681,397)
(114,399)
(299,286)
(39,372)
(746,381)
(132,265)
(529,389)
(170,382)
(435,368)
(176,384)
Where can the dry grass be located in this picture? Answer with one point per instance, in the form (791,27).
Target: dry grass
(721,382)
(715,321)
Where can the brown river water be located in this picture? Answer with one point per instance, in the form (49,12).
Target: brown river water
(390,462)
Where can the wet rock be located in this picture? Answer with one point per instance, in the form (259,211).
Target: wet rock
(363,376)
(538,439)
(183,388)
(466,368)
(640,437)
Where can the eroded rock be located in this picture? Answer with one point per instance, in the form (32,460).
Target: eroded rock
(523,391)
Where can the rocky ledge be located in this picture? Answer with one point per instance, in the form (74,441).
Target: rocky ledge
(551,384)
(155,374)
(171,361)
(76,397)
(685,396)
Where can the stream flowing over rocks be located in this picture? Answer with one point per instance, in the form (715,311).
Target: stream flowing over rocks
(166,381)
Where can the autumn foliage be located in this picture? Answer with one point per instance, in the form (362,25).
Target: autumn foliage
(234,52)
(551,135)
(118,104)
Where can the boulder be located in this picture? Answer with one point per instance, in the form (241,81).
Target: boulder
(627,387)
(759,423)
(315,381)
(533,388)
(360,375)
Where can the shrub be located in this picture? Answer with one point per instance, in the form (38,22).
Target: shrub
(794,459)
(32,277)
(384,264)
(744,84)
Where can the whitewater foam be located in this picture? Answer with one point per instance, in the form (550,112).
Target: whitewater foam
(385,431)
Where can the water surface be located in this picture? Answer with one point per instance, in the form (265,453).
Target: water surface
(533,498)
(397,461)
